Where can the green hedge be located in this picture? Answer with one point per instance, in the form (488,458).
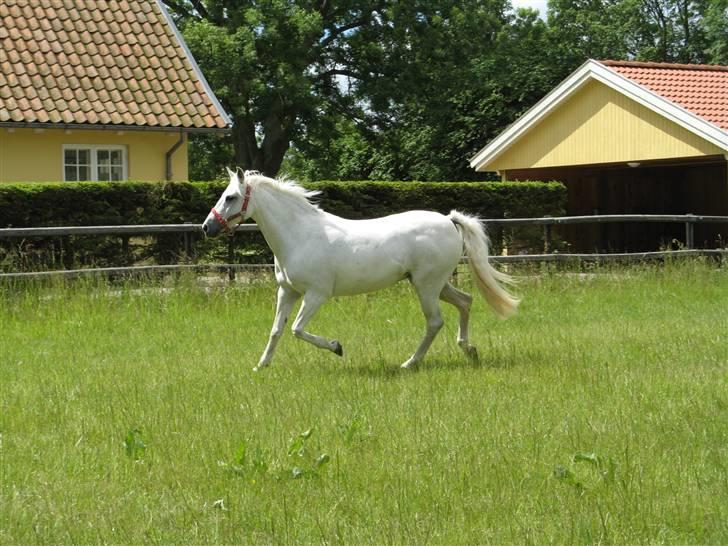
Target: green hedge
(102,203)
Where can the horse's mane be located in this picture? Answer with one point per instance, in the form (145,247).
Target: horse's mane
(284,186)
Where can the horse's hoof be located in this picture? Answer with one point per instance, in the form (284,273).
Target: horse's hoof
(408,365)
(472,354)
(338,349)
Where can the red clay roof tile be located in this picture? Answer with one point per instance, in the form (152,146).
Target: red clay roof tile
(699,89)
(99,62)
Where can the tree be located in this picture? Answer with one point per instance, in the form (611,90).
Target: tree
(590,29)
(716,32)
(449,76)
(672,30)
(275,66)
(648,30)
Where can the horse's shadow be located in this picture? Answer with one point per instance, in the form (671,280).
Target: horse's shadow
(390,370)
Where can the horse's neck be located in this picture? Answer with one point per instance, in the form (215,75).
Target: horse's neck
(286,223)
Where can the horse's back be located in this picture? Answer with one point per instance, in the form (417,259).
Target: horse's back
(375,253)
(410,222)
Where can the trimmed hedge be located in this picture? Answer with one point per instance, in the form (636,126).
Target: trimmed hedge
(103,203)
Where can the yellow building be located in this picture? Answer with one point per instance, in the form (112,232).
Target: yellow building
(626,138)
(98,91)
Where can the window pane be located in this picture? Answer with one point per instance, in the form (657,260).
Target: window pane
(84,157)
(116,173)
(70,157)
(115,157)
(84,172)
(71,174)
(104,172)
(102,157)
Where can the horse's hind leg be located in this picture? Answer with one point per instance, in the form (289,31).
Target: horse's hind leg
(462,301)
(428,294)
(287,297)
(311,303)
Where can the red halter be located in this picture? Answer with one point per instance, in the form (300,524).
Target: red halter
(243,210)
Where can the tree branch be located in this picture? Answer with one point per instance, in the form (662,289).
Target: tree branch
(338,72)
(200,8)
(335,33)
(179,9)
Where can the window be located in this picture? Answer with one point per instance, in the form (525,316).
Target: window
(106,163)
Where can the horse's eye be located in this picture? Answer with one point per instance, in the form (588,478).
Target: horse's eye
(229,198)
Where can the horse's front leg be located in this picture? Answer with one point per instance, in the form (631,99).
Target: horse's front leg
(287,297)
(311,303)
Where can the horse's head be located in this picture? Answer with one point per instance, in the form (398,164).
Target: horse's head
(231,209)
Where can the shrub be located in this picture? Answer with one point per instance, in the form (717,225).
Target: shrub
(102,203)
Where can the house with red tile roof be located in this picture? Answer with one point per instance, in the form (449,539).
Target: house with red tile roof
(626,138)
(98,90)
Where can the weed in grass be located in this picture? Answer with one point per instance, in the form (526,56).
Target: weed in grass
(600,471)
(306,464)
(134,447)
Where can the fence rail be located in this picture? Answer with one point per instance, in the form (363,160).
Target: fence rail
(188,229)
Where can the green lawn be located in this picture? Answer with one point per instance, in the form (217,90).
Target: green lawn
(130,415)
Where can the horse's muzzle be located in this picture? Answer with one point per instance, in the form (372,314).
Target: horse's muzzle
(211,227)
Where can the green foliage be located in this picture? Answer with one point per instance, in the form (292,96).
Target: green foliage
(134,447)
(435,95)
(358,200)
(595,471)
(716,31)
(684,31)
(99,203)
(387,90)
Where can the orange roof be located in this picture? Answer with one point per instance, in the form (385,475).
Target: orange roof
(699,89)
(98,63)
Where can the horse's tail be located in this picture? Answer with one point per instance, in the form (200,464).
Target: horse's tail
(486,277)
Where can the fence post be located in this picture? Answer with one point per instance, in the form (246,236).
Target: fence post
(547,237)
(125,250)
(231,257)
(188,242)
(689,233)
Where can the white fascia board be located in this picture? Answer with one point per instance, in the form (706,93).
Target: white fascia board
(595,70)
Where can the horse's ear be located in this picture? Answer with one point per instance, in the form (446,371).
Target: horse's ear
(242,172)
(230,173)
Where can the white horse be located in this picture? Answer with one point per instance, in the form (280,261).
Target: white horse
(319,256)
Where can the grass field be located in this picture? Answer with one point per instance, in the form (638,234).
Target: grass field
(130,415)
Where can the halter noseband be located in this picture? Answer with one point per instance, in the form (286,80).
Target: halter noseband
(243,210)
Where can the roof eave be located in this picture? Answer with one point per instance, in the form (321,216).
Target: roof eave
(99,127)
(592,69)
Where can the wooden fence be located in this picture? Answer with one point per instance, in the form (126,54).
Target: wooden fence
(191,230)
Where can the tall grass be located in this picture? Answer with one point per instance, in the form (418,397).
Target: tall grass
(129,414)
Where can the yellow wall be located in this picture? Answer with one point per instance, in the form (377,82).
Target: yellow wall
(600,125)
(30,156)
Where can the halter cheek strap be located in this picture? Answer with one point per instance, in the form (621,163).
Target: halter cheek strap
(243,210)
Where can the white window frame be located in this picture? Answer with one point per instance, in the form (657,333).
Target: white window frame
(94,149)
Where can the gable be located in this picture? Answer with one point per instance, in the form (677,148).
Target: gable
(598,124)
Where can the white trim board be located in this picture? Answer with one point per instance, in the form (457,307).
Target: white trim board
(594,70)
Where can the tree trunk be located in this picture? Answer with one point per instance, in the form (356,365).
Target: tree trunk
(268,157)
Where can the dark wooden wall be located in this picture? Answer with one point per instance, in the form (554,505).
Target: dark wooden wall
(681,187)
